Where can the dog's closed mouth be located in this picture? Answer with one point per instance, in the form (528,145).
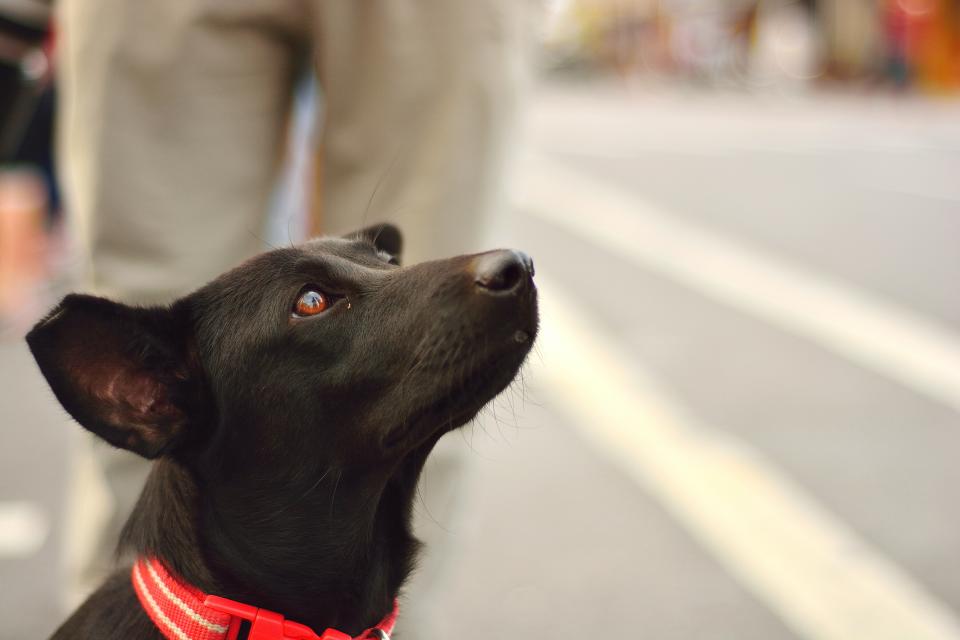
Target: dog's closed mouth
(452,410)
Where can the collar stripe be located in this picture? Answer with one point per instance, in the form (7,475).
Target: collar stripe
(183,606)
(175,606)
(153,609)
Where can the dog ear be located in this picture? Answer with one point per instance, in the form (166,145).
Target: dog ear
(385,237)
(120,371)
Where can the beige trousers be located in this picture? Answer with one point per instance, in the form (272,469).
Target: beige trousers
(172,125)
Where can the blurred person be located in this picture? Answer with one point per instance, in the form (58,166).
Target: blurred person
(23,207)
(173,117)
(923,43)
(23,28)
(28,195)
(851,38)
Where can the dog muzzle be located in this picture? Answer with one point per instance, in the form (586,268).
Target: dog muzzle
(183,612)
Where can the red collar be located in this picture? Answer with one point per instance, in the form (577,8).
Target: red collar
(183,612)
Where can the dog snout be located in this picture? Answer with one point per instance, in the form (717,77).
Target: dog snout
(502,272)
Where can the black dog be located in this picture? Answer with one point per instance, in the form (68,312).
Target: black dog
(290,404)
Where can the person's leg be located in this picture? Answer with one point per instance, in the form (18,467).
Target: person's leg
(171,121)
(420,99)
(171,130)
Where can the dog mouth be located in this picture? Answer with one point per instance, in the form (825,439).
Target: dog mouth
(477,386)
(471,354)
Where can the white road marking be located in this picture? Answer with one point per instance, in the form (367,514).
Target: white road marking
(875,334)
(942,193)
(706,144)
(23,528)
(813,571)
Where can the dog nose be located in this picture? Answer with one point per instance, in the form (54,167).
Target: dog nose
(502,271)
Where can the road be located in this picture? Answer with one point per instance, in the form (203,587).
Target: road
(743,416)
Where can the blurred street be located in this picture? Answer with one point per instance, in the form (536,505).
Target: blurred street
(764,288)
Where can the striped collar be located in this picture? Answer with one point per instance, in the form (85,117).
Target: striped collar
(183,612)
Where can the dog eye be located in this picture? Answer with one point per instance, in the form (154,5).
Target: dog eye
(310,303)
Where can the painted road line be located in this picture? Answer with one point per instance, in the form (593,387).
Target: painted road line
(874,333)
(24,527)
(809,568)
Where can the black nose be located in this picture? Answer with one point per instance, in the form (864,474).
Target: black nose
(502,271)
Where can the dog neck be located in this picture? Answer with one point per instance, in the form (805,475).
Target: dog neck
(335,558)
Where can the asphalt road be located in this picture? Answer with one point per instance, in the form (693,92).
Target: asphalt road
(583,516)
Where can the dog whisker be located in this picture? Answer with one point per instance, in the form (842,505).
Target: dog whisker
(258,237)
(289,235)
(380,180)
(312,488)
(426,510)
(333,496)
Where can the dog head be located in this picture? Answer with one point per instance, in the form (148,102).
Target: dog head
(326,353)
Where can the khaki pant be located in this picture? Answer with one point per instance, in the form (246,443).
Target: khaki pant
(172,126)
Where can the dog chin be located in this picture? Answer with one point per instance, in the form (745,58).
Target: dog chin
(458,406)
(482,381)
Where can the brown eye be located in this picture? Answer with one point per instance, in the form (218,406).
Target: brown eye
(310,303)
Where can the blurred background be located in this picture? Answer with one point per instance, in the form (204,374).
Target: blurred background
(743,416)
